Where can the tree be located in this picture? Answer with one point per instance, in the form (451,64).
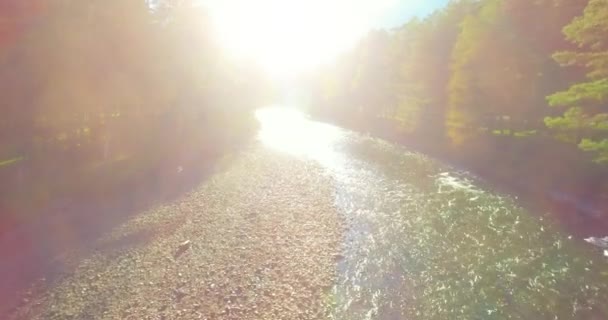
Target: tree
(586,120)
(423,53)
(468,106)
(89,85)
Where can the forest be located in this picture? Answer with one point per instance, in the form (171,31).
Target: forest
(452,167)
(514,90)
(106,98)
(102,98)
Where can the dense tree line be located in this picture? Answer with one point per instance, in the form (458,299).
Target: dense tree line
(515,86)
(99,93)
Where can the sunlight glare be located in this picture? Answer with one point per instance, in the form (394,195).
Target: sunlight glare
(286,37)
(289,131)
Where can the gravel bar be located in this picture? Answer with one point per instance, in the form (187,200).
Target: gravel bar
(259,240)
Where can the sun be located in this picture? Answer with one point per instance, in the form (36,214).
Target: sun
(286,37)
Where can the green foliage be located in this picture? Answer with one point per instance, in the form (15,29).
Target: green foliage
(500,70)
(590,29)
(597,62)
(586,93)
(598,147)
(467,70)
(587,100)
(464,84)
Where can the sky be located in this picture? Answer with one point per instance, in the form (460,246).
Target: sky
(287,37)
(402,11)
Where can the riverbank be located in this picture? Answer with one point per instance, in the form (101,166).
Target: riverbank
(257,241)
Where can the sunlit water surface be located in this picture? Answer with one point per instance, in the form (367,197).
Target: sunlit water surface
(427,241)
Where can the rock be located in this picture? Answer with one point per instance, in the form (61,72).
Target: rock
(180,294)
(275,266)
(183,247)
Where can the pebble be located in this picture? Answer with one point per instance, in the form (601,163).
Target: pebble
(262,253)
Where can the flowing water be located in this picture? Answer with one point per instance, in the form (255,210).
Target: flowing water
(427,241)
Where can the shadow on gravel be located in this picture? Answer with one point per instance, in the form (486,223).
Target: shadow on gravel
(33,256)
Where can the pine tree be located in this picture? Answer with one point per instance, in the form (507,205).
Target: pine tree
(586,119)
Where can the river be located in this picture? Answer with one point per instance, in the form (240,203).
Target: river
(428,241)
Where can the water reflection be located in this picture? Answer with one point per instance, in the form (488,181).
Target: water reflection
(288,130)
(426,241)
